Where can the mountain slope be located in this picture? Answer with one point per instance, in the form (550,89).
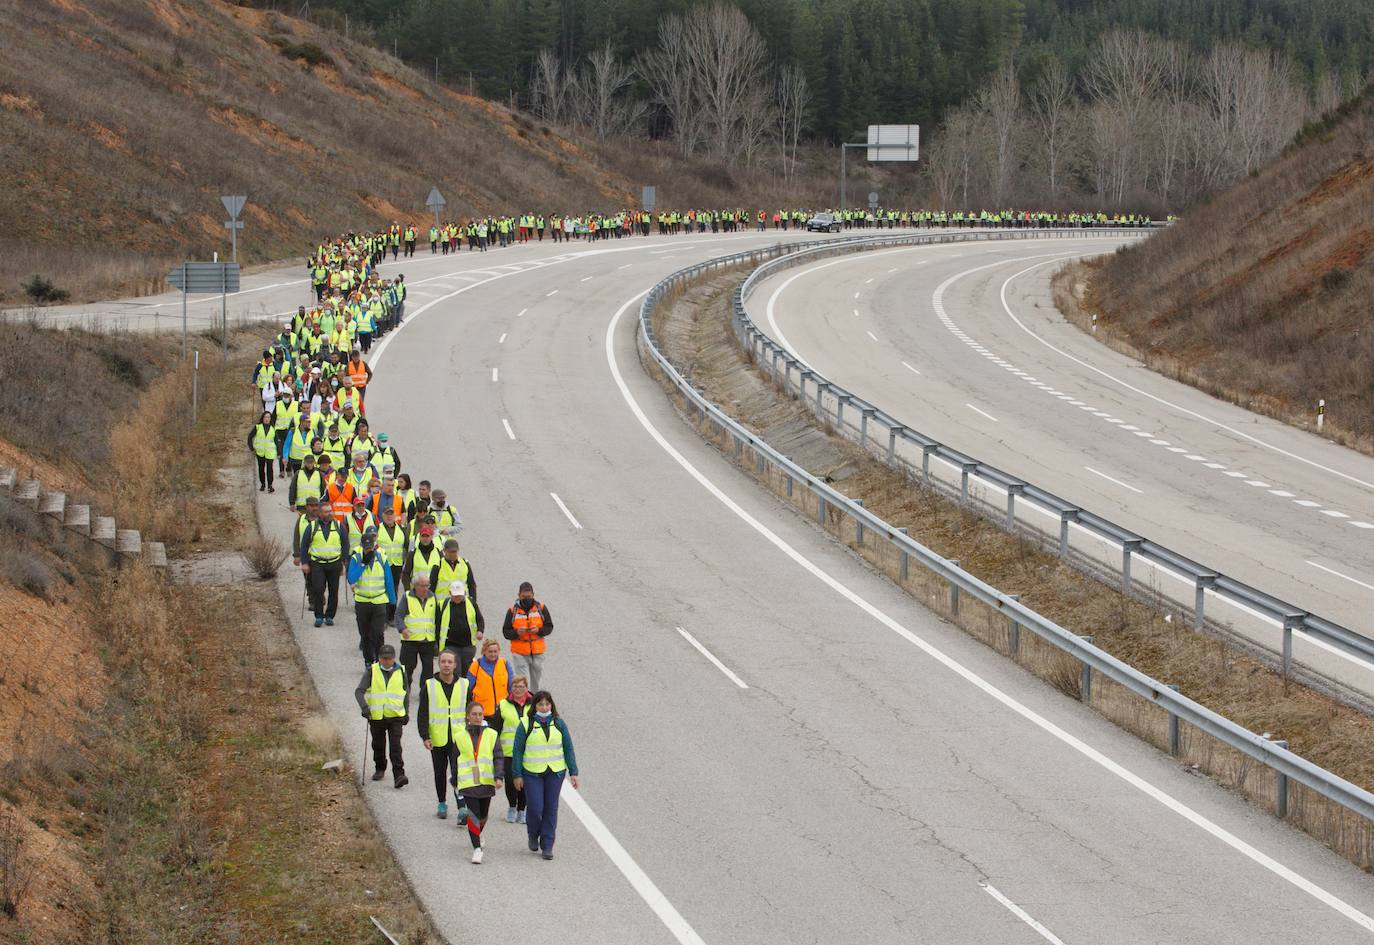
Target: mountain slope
(1261,294)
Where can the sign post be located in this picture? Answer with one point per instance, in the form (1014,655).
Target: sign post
(650,197)
(885,143)
(206,277)
(235,206)
(436,202)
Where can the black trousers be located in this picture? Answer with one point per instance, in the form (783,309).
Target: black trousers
(386,736)
(365,341)
(514,798)
(371,628)
(324,582)
(265,470)
(478,809)
(445,767)
(421,651)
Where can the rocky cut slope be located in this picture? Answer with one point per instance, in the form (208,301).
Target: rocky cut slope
(1261,295)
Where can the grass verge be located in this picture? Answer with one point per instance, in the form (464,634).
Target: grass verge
(696,334)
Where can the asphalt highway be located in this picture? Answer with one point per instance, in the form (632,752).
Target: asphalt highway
(776,744)
(964,343)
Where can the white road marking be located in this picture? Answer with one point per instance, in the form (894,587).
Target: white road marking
(1195,457)
(586,278)
(509,432)
(1257,484)
(1281,493)
(1334,514)
(856,313)
(892,270)
(575,522)
(1306,503)
(983,412)
(1117,481)
(1160,442)
(493,375)
(1022,914)
(1235,474)
(873,336)
(502,339)
(626,266)
(710,656)
(1322,567)
(521,312)
(856,295)
(1363,524)
(868,280)
(1066,738)
(550,293)
(652,896)
(910,368)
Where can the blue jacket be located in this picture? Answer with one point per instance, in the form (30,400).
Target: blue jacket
(355,571)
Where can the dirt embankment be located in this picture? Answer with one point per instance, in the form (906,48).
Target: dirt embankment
(163,781)
(697,336)
(1261,295)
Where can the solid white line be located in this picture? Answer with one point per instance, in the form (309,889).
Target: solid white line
(667,914)
(551,293)
(521,312)
(509,432)
(910,368)
(1110,479)
(873,336)
(1022,914)
(575,522)
(493,375)
(1160,400)
(710,656)
(1322,567)
(1072,741)
(983,412)
(502,339)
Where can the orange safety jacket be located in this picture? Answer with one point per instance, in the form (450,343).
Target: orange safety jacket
(527,624)
(340,500)
(357,372)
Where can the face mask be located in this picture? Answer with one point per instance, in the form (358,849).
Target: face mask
(543,716)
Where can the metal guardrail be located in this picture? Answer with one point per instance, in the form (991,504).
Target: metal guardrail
(1274,755)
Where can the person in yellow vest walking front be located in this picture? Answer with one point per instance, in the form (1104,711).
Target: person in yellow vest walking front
(417,620)
(527,624)
(382,697)
(478,777)
(443,698)
(543,756)
(369,574)
(262,440)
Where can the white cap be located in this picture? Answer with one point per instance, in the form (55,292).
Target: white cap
(458,589)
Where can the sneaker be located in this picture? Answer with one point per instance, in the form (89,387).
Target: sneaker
(534,844)
(270,489)
(401,781)
(442,813)
(319,621)
(520,817)
(379,774)
(510,815)
(262,488)
(547,854)
(477,855)
(461,817)
(329,621)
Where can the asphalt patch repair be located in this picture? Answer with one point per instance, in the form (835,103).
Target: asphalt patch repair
(696,335)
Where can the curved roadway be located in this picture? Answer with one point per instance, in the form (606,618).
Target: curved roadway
(965,344)
(862,772)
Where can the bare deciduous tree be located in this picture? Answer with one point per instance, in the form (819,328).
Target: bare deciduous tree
(1051,108)
(674,85)
(727,56)
(599,98)
(1123,76)
(550,87)
(1000,101)
(792,99)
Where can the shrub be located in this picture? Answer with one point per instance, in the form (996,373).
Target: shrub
(26,573)
(40,290)
(265,555)
(1334,279)
(16,868)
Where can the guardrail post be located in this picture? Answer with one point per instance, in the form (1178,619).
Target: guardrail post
(1291,622)
(925,461)
(1281,788)
(802,375)
(1085,682)
(954,592)
(892,441)
(906,558)
(1065,517)
(1204,581)
(789,485)
(1013,490)
(1173,729)
(820,512)
(866,412)
(841,400)
(776,351)
(1128,546)
(786,373)
(859,523)
(1014,634)
(964,470)
(821,388)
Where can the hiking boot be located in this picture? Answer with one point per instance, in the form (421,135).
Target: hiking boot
(547,854)
(401,781)
(379,774)
(329,621)
(319,621)
(534,844)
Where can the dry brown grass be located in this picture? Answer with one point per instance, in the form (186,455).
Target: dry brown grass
(697,336)
(1259,296)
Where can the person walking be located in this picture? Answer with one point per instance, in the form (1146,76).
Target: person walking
(451,566)
(373,594)
(443,703)
(262,441)
(417,617)
(527,624)
(514,709)
(479,773)
(461,625)
(543,757)
(489,679)
(325,546)
(381,696)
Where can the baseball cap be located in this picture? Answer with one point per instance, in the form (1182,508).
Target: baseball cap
(458,589)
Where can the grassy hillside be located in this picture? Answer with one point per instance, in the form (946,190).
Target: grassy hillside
(1261,295)
(122,121)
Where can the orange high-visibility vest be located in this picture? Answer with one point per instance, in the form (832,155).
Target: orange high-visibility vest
(340,500)
(357,372)
(527,624)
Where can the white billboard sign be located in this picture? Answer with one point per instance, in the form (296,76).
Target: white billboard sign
(894,142)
